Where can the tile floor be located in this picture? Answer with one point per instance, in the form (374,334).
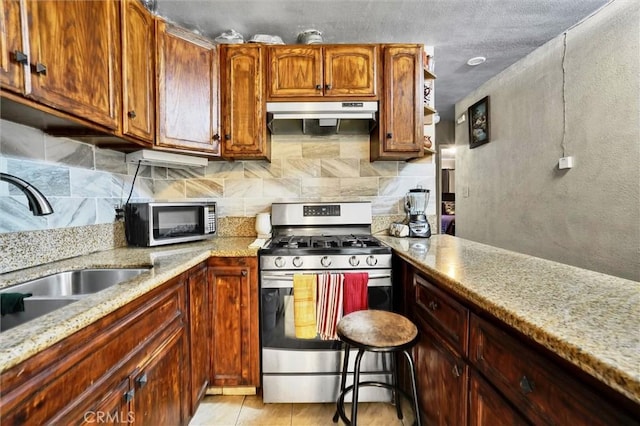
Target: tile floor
(250,410)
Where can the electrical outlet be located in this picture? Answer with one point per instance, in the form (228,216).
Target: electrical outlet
(565,163)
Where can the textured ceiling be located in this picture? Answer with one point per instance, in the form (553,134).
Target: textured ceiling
(501,30)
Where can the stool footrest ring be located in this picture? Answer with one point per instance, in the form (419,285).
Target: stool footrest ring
(340,402)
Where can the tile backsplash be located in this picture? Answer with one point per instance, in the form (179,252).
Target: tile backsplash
(85,183)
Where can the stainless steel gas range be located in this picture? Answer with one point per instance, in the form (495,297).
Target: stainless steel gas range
(312,238)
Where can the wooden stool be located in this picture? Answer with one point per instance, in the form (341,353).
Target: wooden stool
(375,331)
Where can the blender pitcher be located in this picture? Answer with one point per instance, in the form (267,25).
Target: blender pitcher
(416,201)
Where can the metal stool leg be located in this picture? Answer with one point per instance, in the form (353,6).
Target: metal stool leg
(356,381)
(343,379)
(414,387)
(394,383)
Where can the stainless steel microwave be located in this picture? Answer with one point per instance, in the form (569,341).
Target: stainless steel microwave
(158,223)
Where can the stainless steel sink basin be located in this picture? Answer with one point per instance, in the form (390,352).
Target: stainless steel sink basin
(57,290)
(74,283)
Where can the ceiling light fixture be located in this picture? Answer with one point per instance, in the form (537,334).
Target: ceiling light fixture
(476,61)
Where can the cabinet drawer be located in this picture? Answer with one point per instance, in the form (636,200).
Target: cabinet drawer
(442,312)
(536,384)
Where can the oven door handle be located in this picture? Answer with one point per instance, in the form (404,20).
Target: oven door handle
(286,281)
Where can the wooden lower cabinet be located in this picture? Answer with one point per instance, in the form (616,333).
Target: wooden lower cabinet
(234,343)
(442,379)
(199,332)
(473,369)
(128,367)
(487,407)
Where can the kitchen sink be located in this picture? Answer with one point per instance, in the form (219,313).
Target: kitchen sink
(57,290)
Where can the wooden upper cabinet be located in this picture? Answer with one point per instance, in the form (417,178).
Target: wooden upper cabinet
(13,52)
(343,71)
(138,71)
(242,102)
(295,71)
(75,58)
(401,124)
(187,90)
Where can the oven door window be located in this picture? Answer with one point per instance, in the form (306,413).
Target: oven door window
(278,327)
(177,221)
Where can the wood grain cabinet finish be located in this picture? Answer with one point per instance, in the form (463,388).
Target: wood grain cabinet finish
(138,351)
(75,58)
(538,387)
(242,102)
(138,71)
(488,407)
(199,331)
(400,133)
(234,342)
(187,88)
(341,71)
(443,313)
(442,376)
(14,54)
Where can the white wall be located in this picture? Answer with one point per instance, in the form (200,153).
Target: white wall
(517,198)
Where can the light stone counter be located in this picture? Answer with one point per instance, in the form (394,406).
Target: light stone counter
(24,341)
(590,319)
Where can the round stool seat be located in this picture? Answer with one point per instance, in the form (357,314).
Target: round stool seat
(377,330)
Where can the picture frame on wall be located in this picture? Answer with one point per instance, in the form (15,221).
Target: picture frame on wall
(479,125)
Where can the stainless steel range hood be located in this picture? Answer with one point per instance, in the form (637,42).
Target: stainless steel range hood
(322,117)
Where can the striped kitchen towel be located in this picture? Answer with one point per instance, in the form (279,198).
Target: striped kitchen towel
(304,305)
(329,306)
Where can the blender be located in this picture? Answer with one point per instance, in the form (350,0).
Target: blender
(415,204)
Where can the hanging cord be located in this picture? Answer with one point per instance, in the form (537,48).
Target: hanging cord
(133,183)
(564,97)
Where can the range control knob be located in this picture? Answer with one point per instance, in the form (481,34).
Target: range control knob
(297,261)
(372,261)
(354,261)
(279,262)
(325,261)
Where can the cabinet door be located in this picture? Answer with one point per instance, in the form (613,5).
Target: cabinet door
(402,116)
(138,71)
(113,409)
(442,377)
(242,102)
(75,58)
(158,386)
(199,330)
(488,408)
(12,49)
(234,300)
(187,91)
(350,70)
(295,71)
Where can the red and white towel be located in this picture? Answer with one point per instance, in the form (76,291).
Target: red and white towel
(329,304)
(356,294)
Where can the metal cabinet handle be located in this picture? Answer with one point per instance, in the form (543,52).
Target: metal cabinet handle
(128,396)
(318,86)
(20,57)
(216,137)
(227,137)
(243,273)
(526,385)
(41,69)
(131,114)
(456,371)
(389,135)
(142,380)
(327,87)
(433,305)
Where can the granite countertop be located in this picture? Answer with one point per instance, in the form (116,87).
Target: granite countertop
(590,319)
(21,342)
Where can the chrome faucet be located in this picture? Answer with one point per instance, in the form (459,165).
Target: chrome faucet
(38,203)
